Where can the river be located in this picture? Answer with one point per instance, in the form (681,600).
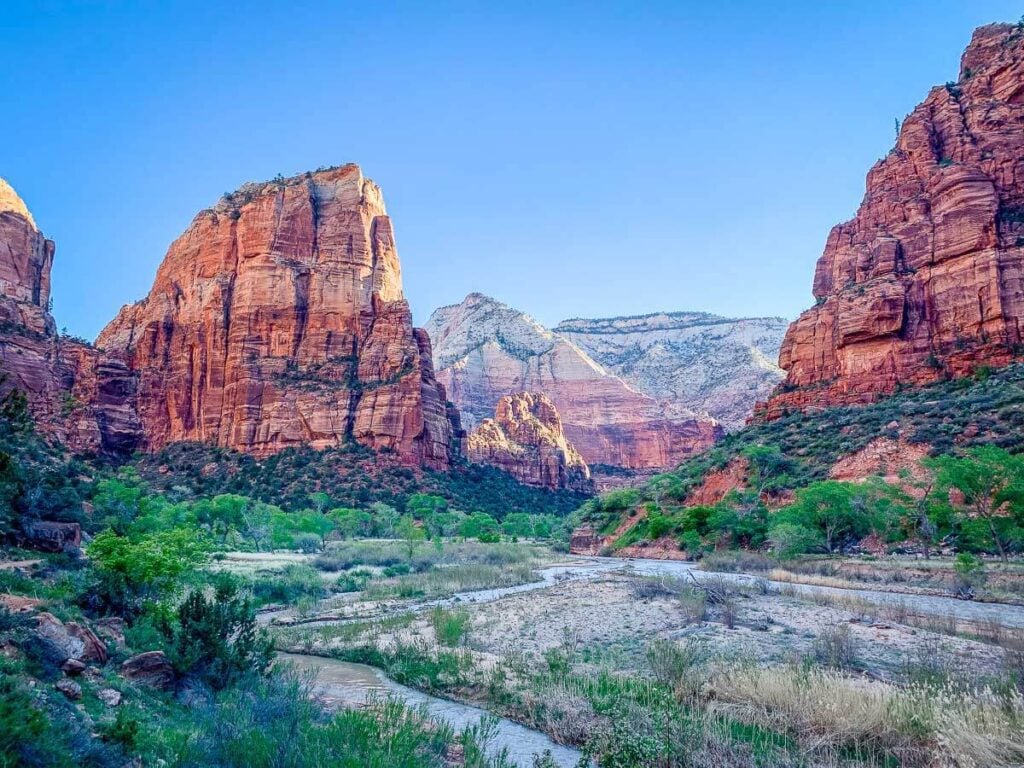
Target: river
(340,683)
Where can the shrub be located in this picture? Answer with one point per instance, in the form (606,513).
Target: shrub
(970,574)
(291,583)
(354,580)
(216,639)
(451,627)
(307,543)
(672,662)
(836,647)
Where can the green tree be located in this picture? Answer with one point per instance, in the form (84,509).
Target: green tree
(315,523)
(479,525)
(411,533)
(990,482)
(118,501)
(518,524)
(222,514)
(385,518)
(257,522)
(352,523)
(831,507)
(320,501)
(134,571)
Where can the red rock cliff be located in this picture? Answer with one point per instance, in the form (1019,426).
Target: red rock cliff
(278,319)
(525,438)
(928,279)
(75,394)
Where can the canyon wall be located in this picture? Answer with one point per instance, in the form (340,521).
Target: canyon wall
(927,280)
(277,319)
(525,438)
(75,394)
(485,350)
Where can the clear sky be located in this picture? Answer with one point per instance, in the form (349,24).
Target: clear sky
(571,159)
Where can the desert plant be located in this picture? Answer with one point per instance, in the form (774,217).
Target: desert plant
(836,647)
(451,627)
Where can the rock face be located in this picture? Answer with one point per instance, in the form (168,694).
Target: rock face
(525,438)
(277,319)
(75,394)
(485,350)
(928,279)
(698,361)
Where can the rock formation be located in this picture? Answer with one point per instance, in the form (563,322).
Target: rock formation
(694,360)
(485,350)
(525,439)
(927,280)
(277,319)
(74,393)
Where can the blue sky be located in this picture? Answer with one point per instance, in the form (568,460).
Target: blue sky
(572,159)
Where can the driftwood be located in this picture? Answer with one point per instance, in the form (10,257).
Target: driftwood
(716,592)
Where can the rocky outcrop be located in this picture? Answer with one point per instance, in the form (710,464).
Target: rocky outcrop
(277,319)
(525,439)
(485,350)
(697,361)
(48,536)
(927,280)
(75,394)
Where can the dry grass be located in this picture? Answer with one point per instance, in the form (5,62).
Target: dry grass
(920,726)
(989,631)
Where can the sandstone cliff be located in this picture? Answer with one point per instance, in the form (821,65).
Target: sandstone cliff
(75,394)
(701,362)
(278,319)
(484,350)
(525,438)
(927,280)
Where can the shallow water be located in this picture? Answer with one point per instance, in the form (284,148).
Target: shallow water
(341,683)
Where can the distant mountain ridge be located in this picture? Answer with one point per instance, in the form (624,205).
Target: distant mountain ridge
(612,379)
(703,362)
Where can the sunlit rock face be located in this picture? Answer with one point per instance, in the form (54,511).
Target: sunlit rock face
(927,281)
(485,350)
(277,319)
(525,438)
(74,393)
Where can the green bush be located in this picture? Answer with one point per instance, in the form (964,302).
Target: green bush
(451,627)
(288,585)
(216,639)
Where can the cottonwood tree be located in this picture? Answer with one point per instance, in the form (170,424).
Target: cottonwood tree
(987,484)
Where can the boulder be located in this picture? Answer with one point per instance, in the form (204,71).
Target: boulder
(109,696)
(69,688)
(50,536)
(73,667)
(151,669)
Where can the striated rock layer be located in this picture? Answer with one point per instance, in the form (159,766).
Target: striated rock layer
(277,319)
(485,350)
(525,438)
(75,393)
(928,279)
(702,362)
